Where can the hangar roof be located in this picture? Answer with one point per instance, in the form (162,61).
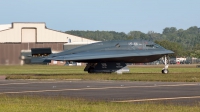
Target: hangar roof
(5,26)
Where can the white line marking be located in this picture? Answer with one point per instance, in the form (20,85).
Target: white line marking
(45,82)
(59,90)
(31,83)
(14,84)
(159,99)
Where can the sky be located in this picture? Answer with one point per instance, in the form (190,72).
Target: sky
(104,15)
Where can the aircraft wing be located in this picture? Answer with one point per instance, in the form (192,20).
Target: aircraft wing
(97,55)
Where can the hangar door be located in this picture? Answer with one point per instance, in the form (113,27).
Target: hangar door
(28,35)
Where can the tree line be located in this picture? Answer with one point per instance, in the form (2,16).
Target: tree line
(185,43)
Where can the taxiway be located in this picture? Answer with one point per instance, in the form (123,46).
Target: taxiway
(114,91)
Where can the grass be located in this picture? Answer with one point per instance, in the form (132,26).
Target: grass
(63,104)
(183,73)
(40,69)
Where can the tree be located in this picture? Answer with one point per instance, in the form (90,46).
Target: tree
(177,48)
(136,35)
(168,30)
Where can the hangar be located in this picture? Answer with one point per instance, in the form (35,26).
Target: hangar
(17,39)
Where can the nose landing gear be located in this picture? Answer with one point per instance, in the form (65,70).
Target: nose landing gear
(165,61)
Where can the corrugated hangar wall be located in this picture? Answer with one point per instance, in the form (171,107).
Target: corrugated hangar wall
(10,53)
(29,35)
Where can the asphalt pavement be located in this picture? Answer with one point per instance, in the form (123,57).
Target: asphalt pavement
(113,91)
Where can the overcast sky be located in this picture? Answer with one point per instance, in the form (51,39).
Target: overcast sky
(103,15)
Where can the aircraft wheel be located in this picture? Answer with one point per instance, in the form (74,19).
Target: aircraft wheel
(165,71)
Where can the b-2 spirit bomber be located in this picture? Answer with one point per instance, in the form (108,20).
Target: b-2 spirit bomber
(107,56)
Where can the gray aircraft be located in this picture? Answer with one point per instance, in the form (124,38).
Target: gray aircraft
(107,56)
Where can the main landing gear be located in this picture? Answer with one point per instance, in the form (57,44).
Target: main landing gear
(106,67)
(165,61)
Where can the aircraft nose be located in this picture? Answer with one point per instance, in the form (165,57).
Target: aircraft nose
(170,52)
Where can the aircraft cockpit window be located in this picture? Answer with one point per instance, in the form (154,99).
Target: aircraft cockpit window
(150,46)
(117,45)
(158,46)
(153,46)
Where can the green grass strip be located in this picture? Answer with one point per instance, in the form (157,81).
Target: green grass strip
(63,104)
(185,73)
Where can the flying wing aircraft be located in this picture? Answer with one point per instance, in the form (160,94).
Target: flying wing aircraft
(108,56)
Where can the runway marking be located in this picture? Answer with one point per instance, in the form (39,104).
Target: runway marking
(58,90)
(118,87)
(159,99)
(16,83)
(30,83)
(98,82)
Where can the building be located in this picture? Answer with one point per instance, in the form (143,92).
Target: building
(17,39)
